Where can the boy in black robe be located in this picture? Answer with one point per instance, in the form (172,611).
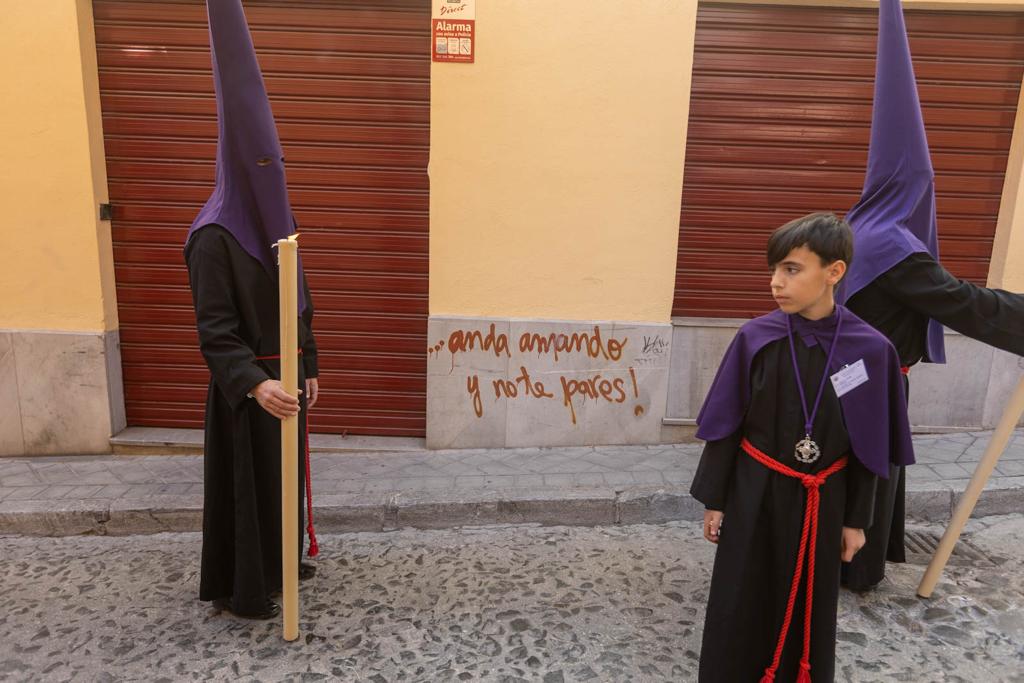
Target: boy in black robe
(806,412)
(233,276)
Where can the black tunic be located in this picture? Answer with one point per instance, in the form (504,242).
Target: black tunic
(761,529)
(236,304)
(899,304)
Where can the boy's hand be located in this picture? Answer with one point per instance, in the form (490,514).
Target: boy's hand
(853,540)
(713,524)
(312,391)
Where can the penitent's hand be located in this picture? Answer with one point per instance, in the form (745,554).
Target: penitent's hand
(275,400)
(853,540)
(713,524)
(312,391)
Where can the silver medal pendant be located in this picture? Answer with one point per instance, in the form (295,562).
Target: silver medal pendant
(807,451)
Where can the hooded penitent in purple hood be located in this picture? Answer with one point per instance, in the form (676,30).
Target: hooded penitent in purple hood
(250,199)
(895,216)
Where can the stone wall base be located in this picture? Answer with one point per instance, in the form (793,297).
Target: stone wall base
(60,392)
(507,383)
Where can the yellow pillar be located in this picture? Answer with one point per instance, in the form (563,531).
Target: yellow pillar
(1007,267)
(60,385)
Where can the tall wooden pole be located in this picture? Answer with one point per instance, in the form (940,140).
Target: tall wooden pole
(996,446)
(287,254)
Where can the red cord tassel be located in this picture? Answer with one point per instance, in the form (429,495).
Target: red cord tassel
(314,549)
(805,673)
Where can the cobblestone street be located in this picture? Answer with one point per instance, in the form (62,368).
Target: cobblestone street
(491,604)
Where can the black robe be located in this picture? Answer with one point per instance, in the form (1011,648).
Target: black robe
(761,529)
(899,304)
(236,304)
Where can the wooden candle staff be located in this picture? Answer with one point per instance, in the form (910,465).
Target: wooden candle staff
(287,258)
(996,446)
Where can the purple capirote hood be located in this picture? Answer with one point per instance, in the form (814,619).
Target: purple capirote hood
(250,198)
(895,216)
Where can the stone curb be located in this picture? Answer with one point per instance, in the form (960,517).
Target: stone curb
(340,513)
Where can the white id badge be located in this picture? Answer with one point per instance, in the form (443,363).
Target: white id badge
(850,377)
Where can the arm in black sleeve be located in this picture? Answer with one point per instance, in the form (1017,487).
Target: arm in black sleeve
(992,316)
(714,473)
(232,363)
(861,484)
(310,362)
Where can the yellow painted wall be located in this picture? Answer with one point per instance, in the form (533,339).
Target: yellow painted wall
(557,160)
(58,267)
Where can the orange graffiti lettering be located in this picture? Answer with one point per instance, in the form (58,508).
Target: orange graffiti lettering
(567,398)
(504,386)
(473,387)
(578,342)
(535,389)
(613,391)
(470,340)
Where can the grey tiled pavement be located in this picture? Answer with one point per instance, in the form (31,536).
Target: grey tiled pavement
(371,490)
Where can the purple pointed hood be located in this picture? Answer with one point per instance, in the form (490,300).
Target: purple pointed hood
(895,216)
(250,199)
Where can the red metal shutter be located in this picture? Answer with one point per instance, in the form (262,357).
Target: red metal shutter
(780,119)
(349,84)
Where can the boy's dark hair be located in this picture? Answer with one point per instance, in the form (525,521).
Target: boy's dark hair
(823,233)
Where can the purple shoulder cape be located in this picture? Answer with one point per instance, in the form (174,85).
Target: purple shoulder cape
(875,413)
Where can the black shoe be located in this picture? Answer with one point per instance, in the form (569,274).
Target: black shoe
(270,609)
(306,571)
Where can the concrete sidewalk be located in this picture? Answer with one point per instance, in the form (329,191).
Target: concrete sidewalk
(413,487)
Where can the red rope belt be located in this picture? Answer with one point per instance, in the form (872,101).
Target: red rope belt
(808,542)
(314,549)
